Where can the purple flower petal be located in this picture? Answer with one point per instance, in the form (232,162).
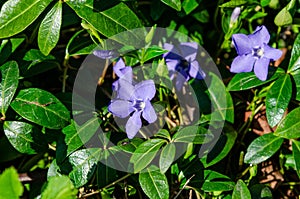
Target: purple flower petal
(144,90)
(118,66)
(272,53)
(196,71)
(133,124)
(105,54)
(173,52)
(120,108)
(180,80)
(261,68)
(149,112)
(259,37)
(189,50)
(125,89)
(242,44)
(242,63)
(172,63)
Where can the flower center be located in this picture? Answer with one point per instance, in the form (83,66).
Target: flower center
(258,52)
(183,66)
(139,105)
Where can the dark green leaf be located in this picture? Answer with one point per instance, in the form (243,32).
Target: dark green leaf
(215,181)
(189,5)
(175,4)
(10,186)
(8,46)
(152,52)
(245,81)
(154,184)
(294,64)
(193,134)
(222,109)
(41,107)
(241,191)
(264,3)
(9,84)
(59,187)
(234,3)
(289,127)
(167,157)
(202,16)
(145,153)
(109,22)
(16,15)
(296,77)
(24,137)
(83,163)
(262,148)
(278,99)
(296,154)
(50,29)
(221,148)
(8,152)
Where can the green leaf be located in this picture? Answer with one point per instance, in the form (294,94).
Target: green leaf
(296,78)
(8,85)
(221,148)
(8,46)
(49,30)
(167,157)
(109,22)
(59,187)
(278,99)
(193,134)
(24,137)
(215,181)
(77,135)
(262,148)
(245,81)
(16,15)
(234,3)
(296,154)
(152,52)
(289,127)
(175,4)
(83,163)
(145,153)
(294,63)
(10,186)
(264,3)
(202,16)
(222,110)
(189,5)
(154,184)
(41,107)
(241,191)
(284,17)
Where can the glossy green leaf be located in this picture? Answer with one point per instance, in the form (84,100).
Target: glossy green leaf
(189,5)
(16,15)
(221,148)
(8,46)
(245,81)
(215,181)
(262,148)
(278,99)
(294,64)
(296,78)
(152,52)
(175,4)
(193,134)
(24,137)
(109,22)
(233,3)
(130,145)
(296,154)
(154,183)
(289,127)
(77,135)
(59,187)
(49,30)
(83,163)
(9,84)
(41,107)
(241,191)
(10,186)
(167,157)
(145,153)
(222,109)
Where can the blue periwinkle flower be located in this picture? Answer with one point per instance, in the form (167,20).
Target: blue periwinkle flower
(253,52)
(134,101)
(182,59)
(105,54)
(122,71)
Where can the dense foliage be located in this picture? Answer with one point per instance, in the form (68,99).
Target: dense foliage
(149,99)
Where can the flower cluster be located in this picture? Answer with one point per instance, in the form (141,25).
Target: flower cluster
(254,52)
